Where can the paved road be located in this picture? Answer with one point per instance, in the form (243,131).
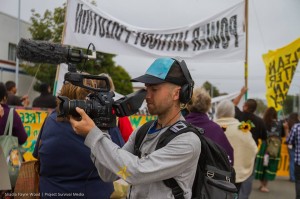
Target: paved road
(281,188)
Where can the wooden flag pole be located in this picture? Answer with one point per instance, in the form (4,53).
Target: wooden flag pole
(246,55)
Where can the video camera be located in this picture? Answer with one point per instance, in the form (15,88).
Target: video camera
(100,105)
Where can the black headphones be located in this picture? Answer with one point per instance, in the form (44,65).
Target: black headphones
(186,91)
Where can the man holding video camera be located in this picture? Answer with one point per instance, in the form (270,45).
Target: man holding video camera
(168,84)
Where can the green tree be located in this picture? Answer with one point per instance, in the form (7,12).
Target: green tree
(49,27)
(287,108)
(289,103)
(213,90)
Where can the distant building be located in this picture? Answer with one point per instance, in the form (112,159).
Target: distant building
(8,47)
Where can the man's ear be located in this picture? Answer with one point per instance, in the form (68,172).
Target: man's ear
(176,93)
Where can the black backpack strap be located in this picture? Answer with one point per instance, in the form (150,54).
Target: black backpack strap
(176,189)
(173,131)
(140,135)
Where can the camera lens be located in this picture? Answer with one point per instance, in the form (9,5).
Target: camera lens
(71,107)
(99,111)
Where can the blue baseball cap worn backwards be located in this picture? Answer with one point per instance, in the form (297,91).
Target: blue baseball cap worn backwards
(163,70)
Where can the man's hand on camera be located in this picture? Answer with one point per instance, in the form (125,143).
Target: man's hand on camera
(85,125)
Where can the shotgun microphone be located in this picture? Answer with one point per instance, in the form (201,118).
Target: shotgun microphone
(51,53)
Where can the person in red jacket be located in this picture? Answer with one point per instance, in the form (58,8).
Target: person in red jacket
(125,127)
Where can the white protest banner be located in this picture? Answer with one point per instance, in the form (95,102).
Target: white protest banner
(218,38)
(60,77)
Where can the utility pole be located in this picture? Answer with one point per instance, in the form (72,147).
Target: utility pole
(18,38)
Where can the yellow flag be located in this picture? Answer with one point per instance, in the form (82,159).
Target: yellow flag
(280,67)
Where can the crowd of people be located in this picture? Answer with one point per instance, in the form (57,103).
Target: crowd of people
(88,159)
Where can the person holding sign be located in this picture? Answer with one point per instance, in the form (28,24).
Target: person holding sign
(12,99)
(258,131)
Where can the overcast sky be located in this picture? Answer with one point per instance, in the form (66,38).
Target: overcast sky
(272,25)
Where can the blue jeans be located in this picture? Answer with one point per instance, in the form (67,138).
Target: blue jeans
(246,187)
(292,164)
(297,184)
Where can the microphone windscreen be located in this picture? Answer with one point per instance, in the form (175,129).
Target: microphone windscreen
(41,52)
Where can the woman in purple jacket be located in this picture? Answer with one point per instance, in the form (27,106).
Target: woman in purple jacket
(18,128)
(198,108)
